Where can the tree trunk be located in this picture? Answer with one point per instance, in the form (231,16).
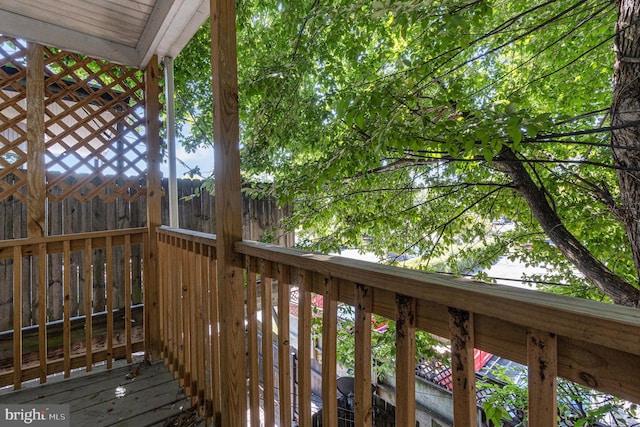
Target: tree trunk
(625,119)
(620,291)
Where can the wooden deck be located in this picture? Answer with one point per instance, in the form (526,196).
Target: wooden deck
(151,396)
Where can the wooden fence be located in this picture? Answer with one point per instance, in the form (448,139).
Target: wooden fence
(70,216)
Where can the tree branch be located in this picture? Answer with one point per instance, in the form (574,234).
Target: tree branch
(620,291)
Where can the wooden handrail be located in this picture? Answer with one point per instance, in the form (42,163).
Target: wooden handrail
(613,326)
(55,244)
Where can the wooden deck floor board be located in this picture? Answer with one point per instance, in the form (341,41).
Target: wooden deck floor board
(152,395)
(118,411)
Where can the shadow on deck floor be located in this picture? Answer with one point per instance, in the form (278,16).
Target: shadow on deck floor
(136,395)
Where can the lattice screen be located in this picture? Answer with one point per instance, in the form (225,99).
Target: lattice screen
(13,118)
(94,126)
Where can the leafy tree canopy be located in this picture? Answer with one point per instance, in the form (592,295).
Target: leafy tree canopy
(413,126)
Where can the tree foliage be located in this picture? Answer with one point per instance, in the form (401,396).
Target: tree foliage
(421,127)
(413,126)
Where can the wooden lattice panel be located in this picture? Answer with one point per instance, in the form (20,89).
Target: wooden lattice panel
(94,128)
(13,116)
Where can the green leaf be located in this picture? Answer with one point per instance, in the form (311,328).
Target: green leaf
(515,134)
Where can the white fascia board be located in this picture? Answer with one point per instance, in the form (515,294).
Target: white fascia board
(192,25)
(171,26)
(52,35)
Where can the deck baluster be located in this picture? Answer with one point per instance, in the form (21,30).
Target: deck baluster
(329,344)
(252,338)
(304,348)
(267,342)
(17,317)
(362,391)
(542,359)
(461,328)
(284,346)
(405,361)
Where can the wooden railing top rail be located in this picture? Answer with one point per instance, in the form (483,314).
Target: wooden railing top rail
(55,243)
(195,236)
(591,321)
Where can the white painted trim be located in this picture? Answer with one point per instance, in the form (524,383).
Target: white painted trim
(196,21)
(160,17)
(46,34)
(171,26)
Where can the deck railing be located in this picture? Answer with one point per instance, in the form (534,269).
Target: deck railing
(591,343)
(189,314)
(76,300)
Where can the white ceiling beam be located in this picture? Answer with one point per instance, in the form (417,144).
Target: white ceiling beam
(56,36)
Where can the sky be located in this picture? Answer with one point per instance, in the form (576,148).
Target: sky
(203,157)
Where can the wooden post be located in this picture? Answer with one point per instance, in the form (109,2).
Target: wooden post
(542,358)
(36,180)
(154,210)
(36,186)
(228,210)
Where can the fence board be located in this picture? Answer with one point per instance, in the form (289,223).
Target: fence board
(6,268)
(71,219)
(98,224)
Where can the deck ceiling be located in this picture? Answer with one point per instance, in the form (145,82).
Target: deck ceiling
(127,32)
